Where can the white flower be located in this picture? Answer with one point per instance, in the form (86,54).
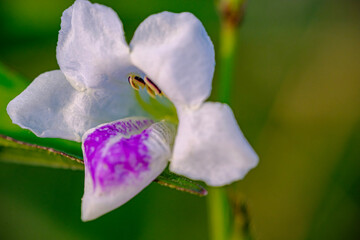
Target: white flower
(92,88)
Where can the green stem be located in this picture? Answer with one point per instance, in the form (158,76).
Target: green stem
(218,214)
(231,13)
(227,57)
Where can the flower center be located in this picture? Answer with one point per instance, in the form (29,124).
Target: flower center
(159,108)
(136,82)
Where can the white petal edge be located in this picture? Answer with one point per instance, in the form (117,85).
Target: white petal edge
(51,107)
(91,47)
(175,51)
(210,146)
(97,202)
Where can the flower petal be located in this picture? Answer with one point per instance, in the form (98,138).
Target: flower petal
(91,47)
(51,107)
(211,147)
(122,158)
(175,51)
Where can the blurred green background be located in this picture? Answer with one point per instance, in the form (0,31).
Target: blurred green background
(296,96)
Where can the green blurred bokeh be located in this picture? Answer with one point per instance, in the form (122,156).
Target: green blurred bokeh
(296,96)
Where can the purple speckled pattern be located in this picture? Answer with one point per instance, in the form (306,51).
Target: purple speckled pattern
(114,161)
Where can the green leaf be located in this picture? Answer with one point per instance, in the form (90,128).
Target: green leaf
(180,183)
(15,151)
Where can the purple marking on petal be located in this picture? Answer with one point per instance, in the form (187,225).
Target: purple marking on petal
(124,159)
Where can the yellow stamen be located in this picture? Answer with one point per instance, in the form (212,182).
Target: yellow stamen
(139,82)
(152,86)
(136,82)
(150,92)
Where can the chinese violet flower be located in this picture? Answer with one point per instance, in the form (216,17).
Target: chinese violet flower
(125,147)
